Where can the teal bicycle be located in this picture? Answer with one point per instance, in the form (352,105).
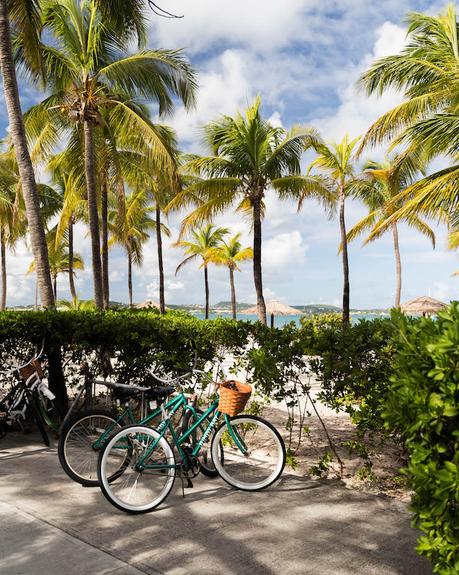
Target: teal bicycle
(138,466)
(85,433)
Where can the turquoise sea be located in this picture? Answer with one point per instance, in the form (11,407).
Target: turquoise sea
(282,320)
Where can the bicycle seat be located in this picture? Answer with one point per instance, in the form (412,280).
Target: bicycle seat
(157,392)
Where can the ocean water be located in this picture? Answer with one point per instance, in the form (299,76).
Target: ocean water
(279,321)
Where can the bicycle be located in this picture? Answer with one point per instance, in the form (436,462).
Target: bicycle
(30,394)
(83,436)
(137,466)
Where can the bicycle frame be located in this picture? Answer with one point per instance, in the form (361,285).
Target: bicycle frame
(166,425)
(174,404)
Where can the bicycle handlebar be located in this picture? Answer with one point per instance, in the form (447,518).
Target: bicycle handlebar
(32,359)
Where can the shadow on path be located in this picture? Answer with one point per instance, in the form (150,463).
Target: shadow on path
(297,527)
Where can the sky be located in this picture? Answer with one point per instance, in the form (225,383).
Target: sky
(303,58)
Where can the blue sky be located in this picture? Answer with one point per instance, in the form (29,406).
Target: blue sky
(303,57)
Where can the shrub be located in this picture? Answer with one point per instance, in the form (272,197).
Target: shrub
(353,363)
(140,339)
(424,406)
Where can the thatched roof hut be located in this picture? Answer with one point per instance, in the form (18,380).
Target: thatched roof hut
(147,303)
(274,307)
(423,305)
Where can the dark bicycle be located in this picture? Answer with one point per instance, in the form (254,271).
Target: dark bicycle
(28,397)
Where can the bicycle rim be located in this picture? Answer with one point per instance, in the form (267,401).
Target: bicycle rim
(253,453)
(80,449)
(136,490)
(49,413)
(205,457)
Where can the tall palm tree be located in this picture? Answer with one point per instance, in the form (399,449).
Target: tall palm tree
(428,118)
(385,182)
(205,240)
(230,254)
(25,17)
(335,162)
(12,215)
(67,177)
(139,171)
(92,78)
(59,259)
(131,230)
(125,18)
(248,156)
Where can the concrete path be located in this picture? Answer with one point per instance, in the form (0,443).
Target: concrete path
(50,525)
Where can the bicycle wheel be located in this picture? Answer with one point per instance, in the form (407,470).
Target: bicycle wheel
(49,412)
(78,446)
(35,407)
(259,459)
(147,479)
(206,464)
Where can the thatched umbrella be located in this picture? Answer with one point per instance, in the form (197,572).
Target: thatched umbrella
(273,308)
(148,303)
(423,305)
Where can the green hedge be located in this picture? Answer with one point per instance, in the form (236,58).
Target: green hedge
(353,363)
(354,360)
(424,407)
(401,373)
(141,339)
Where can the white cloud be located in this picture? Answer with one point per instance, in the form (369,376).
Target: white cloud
(263,26)
(441,291)
(283,250)
(357,111)
(223,88)
(115,276)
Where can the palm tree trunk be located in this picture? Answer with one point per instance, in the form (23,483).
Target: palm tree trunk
(55,286)
(130,277)
(25,167)
(104,217)
(90,173)
(36,292)
(206,288)
(233,292)
(159,243)
(3,264)
(346,289)
(398,266)
(257,272)
(71,277)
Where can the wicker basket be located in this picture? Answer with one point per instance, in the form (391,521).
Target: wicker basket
(33,367)
(233,397)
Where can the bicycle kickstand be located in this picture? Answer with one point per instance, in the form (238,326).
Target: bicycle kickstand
(189,483)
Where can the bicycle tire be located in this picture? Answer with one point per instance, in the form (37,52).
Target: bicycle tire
(49,413)
(264,455)
(90,478)
(108,487)
(206,465)
(38,419)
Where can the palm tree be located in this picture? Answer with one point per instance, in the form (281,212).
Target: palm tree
(249,155)
(335,161)
(126,20)
(140,172)
(206,239)
(12,217)
(230,254)
(426,71)
(67,178)
(25,17)
(59,259)
(385,182)
(132,230)
(91,78)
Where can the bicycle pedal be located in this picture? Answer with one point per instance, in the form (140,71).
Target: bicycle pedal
(189,483)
